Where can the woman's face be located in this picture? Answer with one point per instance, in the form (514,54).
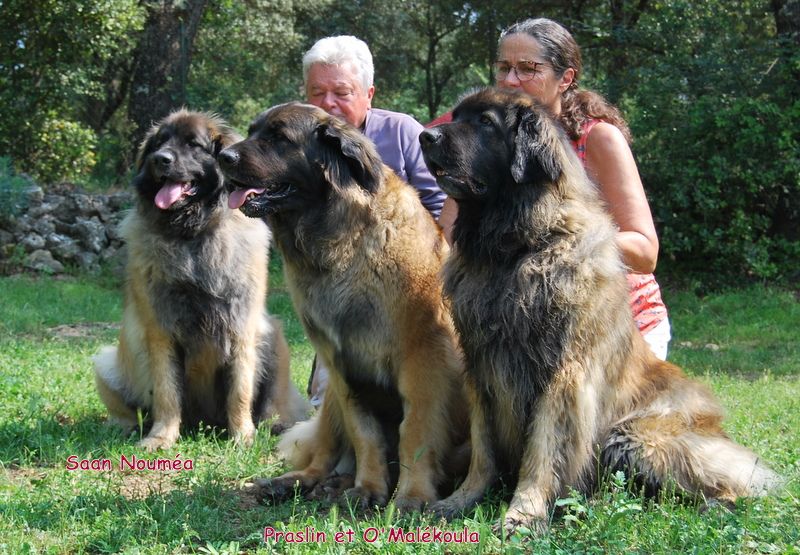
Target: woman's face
(524,53)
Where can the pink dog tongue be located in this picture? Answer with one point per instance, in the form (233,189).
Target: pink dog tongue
(239,196)
(169,194)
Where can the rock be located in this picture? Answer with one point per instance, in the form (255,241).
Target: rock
(85,205)
(712,347)
(41,260)
(64,248)
(67,210)
(65,229)
(33,194)
(92,233)
(88,261)
(32,242)
(103,211)
(45,225)
(120,201)
(113,228)
(64,226)
(23,224)
(41,209)
(115,263)
(6,237)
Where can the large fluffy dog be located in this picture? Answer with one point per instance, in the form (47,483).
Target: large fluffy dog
(362,258)
(560,375)
(196,343)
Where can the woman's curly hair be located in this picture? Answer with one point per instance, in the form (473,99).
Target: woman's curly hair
(562,52)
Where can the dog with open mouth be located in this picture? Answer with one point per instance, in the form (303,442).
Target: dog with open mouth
(196,344)
(362,258)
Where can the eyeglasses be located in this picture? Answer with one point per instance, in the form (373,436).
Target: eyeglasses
(525,70)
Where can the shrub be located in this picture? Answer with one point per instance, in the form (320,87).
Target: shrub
(719,183)
(62,150)
(12,189)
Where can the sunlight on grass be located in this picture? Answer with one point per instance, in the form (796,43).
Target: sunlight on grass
(49,329)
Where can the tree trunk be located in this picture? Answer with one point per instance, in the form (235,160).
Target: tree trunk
(162,61)
(787,19)
(623,21)
(786,216)
(117,78)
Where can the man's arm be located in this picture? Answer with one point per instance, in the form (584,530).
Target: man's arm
(419,177)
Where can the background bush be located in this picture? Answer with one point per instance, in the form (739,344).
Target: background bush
(710,88)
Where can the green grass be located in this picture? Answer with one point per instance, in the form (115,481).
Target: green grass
(743,343)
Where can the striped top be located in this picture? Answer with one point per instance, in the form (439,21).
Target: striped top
(645,294)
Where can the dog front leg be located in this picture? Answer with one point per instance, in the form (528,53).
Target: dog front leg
(239,401)
(426,431)
(166,392)
(325,444)
(557,454)
(372,474)
(482,472)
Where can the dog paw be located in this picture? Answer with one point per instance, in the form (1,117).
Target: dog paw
(715,503)
(363,498)
(244,438)
(516,521)
(278,489)
(447,509)
(332,487)
(154,443)
(411,504)
(278,428)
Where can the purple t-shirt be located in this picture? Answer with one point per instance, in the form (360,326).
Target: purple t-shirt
(396,137)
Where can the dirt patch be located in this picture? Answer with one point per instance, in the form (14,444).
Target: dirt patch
(247,497)
(21,476)
(81,330)
(143,485)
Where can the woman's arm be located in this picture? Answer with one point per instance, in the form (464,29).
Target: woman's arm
(610,163)
(447,218)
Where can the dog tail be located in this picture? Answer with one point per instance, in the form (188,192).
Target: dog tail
(105,364)
(710,464)
(297,443)
(111,388)
(736,469)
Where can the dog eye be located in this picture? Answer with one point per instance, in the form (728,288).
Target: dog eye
(485,119)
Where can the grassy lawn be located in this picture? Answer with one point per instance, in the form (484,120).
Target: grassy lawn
(744,343)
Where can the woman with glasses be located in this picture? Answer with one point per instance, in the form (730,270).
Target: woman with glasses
(541,58)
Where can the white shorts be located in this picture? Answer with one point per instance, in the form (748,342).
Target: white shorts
(658,339)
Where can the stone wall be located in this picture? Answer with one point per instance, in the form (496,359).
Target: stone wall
(61,228)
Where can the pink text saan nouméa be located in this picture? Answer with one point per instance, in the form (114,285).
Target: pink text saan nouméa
(131,462)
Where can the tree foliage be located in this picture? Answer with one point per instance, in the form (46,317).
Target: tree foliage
(710,89)
(716,119)
(53,57)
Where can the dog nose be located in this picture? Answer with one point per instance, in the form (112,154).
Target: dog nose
(228,157)
(163,158)
(430,137)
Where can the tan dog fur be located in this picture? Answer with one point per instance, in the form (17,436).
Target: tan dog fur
(194,307)
(562,382)
(362,260)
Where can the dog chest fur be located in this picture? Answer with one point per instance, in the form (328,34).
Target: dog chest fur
(199,301)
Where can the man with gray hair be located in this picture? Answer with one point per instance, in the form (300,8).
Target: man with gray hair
(338,77)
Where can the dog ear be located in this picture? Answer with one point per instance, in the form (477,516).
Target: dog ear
(349,156)
(534,158)
(146,147)
(222,136)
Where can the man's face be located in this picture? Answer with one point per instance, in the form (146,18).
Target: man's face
(338,90)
